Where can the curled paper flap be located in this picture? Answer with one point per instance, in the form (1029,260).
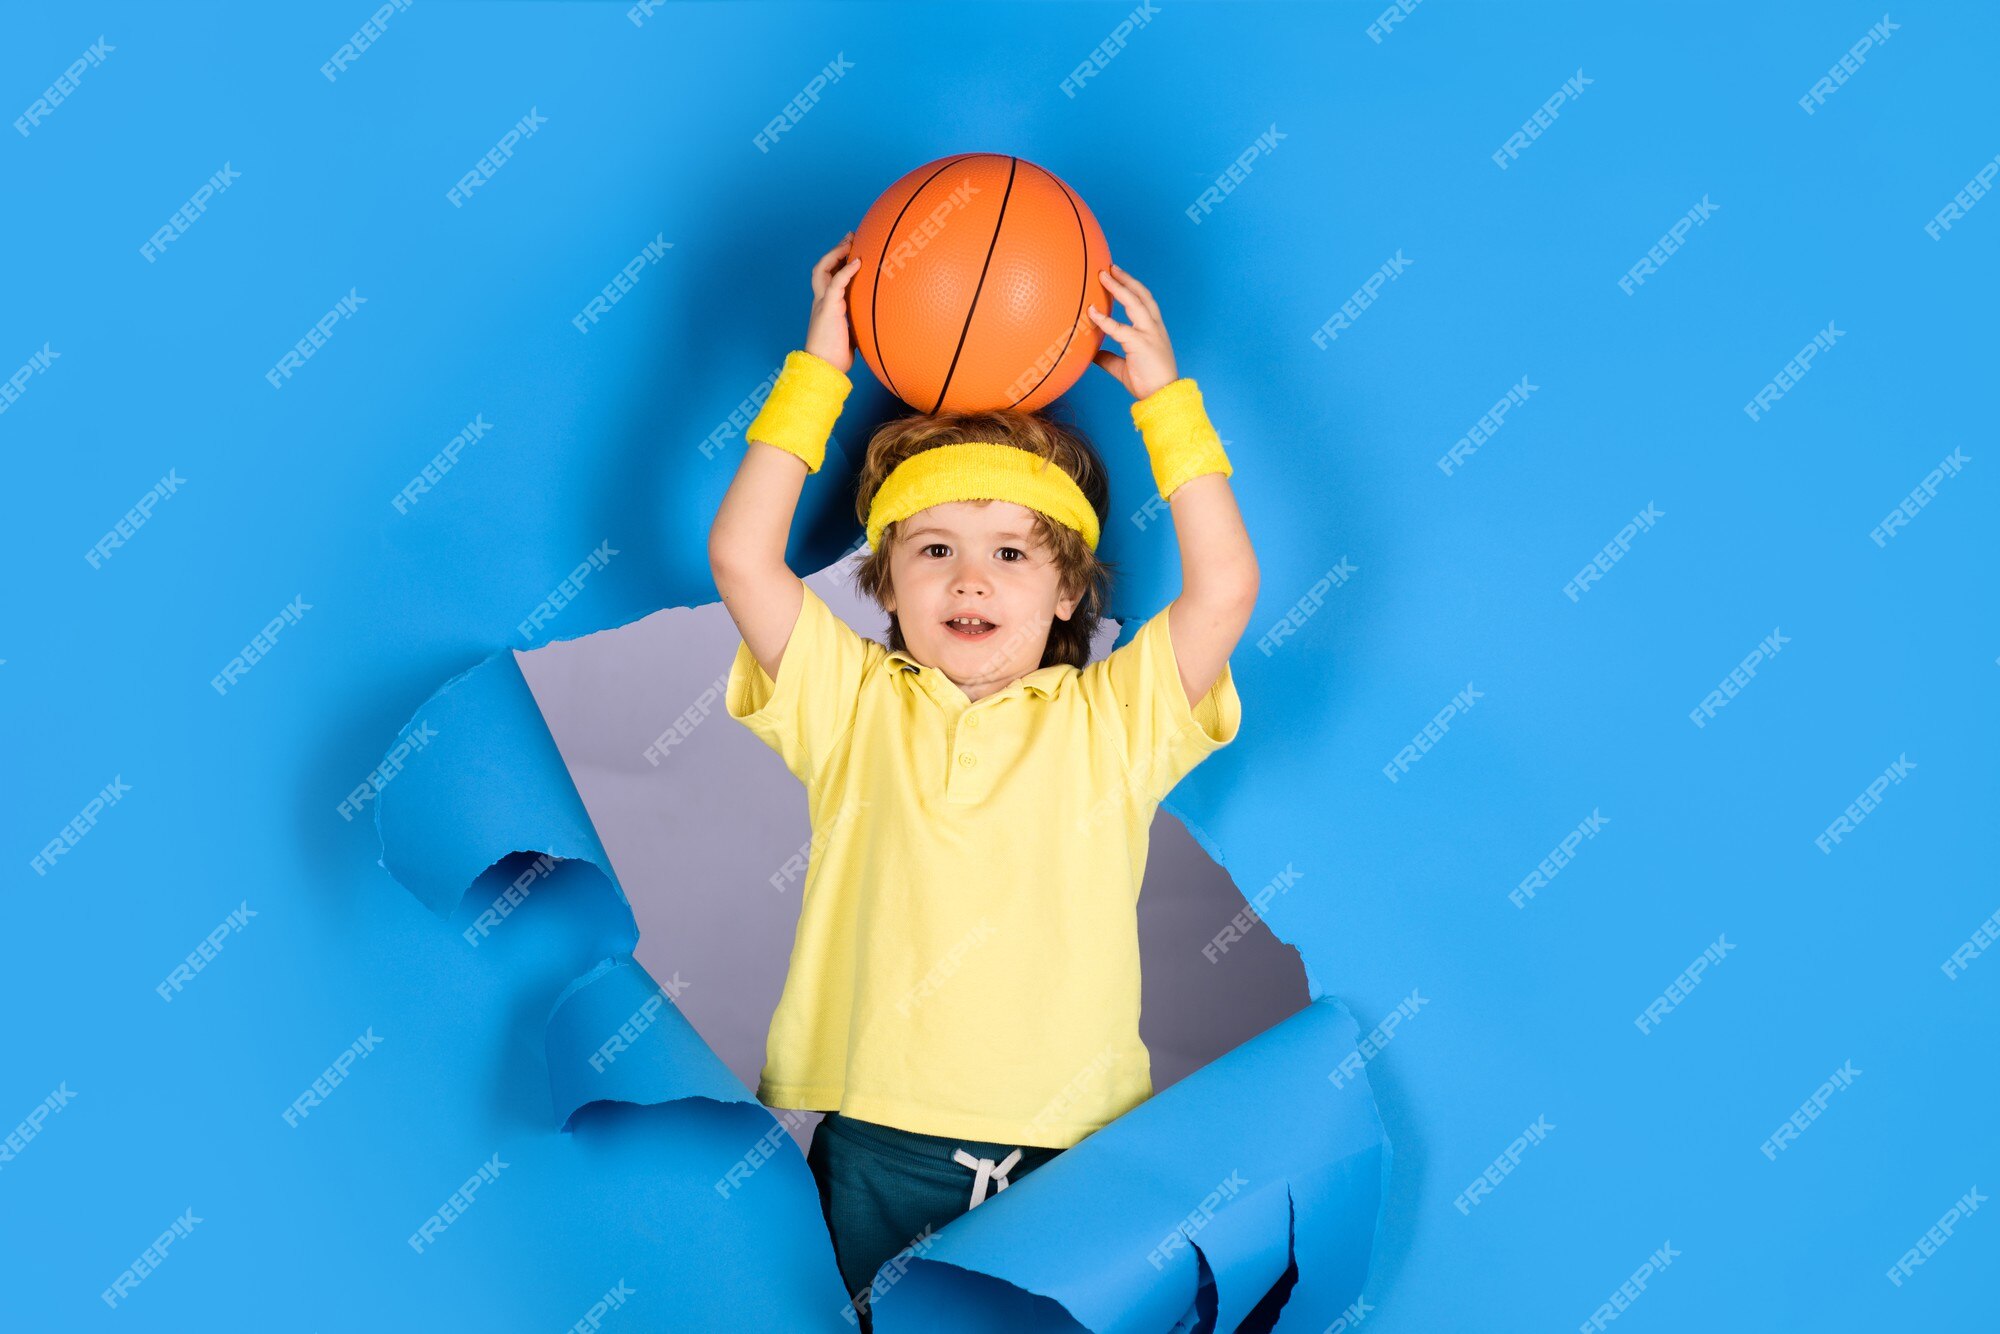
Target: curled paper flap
(1241,1269)
(1105,1236)
(615,1035)
(472,777)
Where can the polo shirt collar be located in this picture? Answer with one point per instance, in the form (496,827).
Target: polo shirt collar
(1044,681)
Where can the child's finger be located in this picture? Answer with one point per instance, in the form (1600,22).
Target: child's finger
(1134,296)
(831,260)
(1110,326)
(1136,310)
(1111,363)
(1145,293)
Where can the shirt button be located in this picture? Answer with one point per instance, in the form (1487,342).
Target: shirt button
(968,759)
(972,722)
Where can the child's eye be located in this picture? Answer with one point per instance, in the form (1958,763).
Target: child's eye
(1017,555)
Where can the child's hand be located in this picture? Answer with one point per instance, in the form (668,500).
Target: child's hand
(1148,363)
(829,336)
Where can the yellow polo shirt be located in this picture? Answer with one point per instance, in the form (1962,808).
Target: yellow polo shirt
(967,957)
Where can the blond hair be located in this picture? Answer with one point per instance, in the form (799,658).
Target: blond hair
(1083,574)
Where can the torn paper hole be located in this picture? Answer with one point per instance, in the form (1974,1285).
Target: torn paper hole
(711,838)
(1071,1242)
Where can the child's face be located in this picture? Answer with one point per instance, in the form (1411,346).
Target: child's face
(975,558)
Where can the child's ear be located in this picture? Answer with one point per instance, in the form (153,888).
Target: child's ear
(1066,606)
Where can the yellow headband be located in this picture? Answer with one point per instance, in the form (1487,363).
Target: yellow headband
(980,471)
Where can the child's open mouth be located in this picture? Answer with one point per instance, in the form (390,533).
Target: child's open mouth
(969,627)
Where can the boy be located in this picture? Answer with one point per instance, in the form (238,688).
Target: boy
(963,994)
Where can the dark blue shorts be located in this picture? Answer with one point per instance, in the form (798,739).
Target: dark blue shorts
(881,1188)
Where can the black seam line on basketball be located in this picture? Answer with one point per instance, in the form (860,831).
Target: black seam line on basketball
(875,300)
(1013,165)
(1083,241)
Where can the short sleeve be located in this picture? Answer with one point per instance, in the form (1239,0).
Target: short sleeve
(1161,736)
(807,713)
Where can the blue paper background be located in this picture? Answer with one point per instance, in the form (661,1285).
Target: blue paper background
(597,439)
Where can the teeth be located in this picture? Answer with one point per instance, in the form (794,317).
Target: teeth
(967,620)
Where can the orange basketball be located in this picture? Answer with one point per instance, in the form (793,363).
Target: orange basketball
(975,271)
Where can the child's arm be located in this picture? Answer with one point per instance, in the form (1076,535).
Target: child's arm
(1219,580)
(746,544)
(1219,576)
(746,551)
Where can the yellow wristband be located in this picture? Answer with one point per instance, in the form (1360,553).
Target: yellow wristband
(1179,439)
(805,402)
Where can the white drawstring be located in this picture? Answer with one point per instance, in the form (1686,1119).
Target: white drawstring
(988,1171)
